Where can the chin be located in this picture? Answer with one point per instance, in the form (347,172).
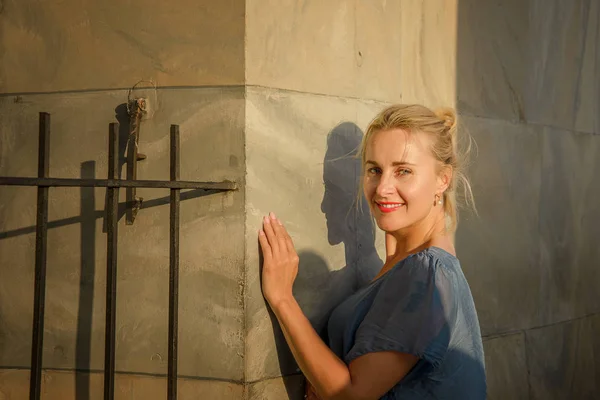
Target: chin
(334,239)
(389,224)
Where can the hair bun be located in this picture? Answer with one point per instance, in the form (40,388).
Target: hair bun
(448,116)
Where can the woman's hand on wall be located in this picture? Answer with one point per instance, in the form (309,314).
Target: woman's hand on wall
(280,266)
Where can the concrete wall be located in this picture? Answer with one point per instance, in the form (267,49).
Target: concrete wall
(85,44)
(76,60)
(528,89)
(317,72)
(276,95)
(211,313)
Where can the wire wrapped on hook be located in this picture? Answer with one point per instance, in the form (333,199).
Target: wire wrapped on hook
(136,108)
(150,99)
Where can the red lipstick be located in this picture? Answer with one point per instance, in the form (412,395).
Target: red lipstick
(388,207)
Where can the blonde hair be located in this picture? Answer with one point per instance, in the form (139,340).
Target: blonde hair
(441,126)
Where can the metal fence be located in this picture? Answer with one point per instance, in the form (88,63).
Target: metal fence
(43,182)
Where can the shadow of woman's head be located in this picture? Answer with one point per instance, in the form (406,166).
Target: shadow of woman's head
(318,288)
(341,174)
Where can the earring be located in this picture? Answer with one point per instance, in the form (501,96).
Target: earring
(438,199)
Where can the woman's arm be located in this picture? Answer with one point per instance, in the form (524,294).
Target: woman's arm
(310,393)
(368,377)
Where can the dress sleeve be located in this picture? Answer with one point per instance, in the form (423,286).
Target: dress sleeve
(410,313)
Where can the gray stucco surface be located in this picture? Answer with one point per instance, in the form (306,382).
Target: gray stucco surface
(211,314)
(276,97)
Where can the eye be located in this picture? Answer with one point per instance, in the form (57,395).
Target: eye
(404,171)
(373,171)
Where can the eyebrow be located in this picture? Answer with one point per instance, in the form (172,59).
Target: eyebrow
(394,164)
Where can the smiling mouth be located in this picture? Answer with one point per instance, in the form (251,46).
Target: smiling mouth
(388,207)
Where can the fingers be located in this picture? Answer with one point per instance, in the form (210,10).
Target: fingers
(264,245)
(289,243)
(285,241)
(276,236)
(270,235)
(280,233)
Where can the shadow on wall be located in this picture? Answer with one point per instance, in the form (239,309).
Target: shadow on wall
(87,221)
(88,217)
(317,289)
(88,259)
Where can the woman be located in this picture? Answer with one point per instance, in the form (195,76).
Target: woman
(412,333)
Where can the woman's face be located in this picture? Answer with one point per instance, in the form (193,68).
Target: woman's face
(400,179)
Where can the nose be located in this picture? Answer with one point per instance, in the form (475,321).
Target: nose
(385,186)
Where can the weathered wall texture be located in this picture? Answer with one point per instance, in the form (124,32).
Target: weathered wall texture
(86,44)
(276,95)
(211,314)
(294,168)
(528,89)
(317,72)
(76,60)
(61,385)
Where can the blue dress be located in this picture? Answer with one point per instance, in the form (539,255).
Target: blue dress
(422,306)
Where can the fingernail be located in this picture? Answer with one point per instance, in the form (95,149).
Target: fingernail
(267,220)
(272,214)
(261,232)
(280,223)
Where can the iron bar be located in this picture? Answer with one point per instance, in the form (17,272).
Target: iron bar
(173,267)
(112,217)
(43,183)
(115,183)
(156,202)
(41,242)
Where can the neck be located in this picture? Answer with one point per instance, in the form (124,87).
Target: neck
(400,244)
